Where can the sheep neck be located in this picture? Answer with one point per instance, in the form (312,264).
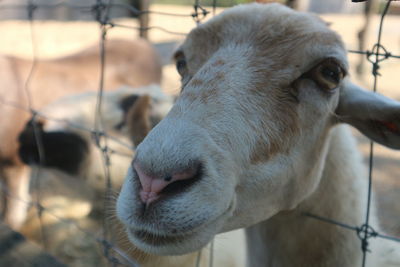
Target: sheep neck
(292,239)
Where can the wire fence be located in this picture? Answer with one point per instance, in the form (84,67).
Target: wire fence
(365,232)
(100,11)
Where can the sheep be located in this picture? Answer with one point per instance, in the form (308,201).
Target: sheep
(76,193)
(67,137)
(256,140)
(132,63)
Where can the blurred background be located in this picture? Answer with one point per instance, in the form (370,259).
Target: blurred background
(61,31)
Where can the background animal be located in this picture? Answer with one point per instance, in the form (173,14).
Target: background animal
(133,63)
(75,191)
(66,125)
(254,141)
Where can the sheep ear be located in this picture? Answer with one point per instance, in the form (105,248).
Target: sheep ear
(375,115)
(138,119)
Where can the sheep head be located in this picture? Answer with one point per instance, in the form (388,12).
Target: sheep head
(262,86)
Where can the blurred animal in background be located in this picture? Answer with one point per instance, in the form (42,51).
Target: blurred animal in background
(72,182)
(66,130)
(132,63)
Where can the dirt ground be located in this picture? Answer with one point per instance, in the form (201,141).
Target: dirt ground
(53,39)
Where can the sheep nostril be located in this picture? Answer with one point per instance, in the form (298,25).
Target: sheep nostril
(153,186)
(178,186)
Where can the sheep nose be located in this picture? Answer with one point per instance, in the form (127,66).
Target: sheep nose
(153,186)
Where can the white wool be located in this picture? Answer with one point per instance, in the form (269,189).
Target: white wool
(256,112)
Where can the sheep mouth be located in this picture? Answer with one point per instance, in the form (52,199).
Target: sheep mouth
(159,240)
(156,239)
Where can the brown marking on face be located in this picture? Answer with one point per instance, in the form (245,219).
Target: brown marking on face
(196,82)
(207,95)
(279,124)
(190,96)
(219,76)
(211,92)
(219,62)
(262,152)
(268,146)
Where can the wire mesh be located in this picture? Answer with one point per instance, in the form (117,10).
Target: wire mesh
(366,231)
(100,11)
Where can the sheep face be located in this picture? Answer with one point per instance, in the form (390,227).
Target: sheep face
(251,120)
(248,135)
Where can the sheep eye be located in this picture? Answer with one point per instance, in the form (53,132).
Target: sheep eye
(332,72)
(181,66)
(180,60)
(328,74)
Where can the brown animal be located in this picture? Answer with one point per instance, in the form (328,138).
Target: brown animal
(133,63)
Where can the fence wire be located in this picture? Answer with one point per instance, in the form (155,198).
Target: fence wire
(100,11)
(365,232)
(36,132)
(199,13)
